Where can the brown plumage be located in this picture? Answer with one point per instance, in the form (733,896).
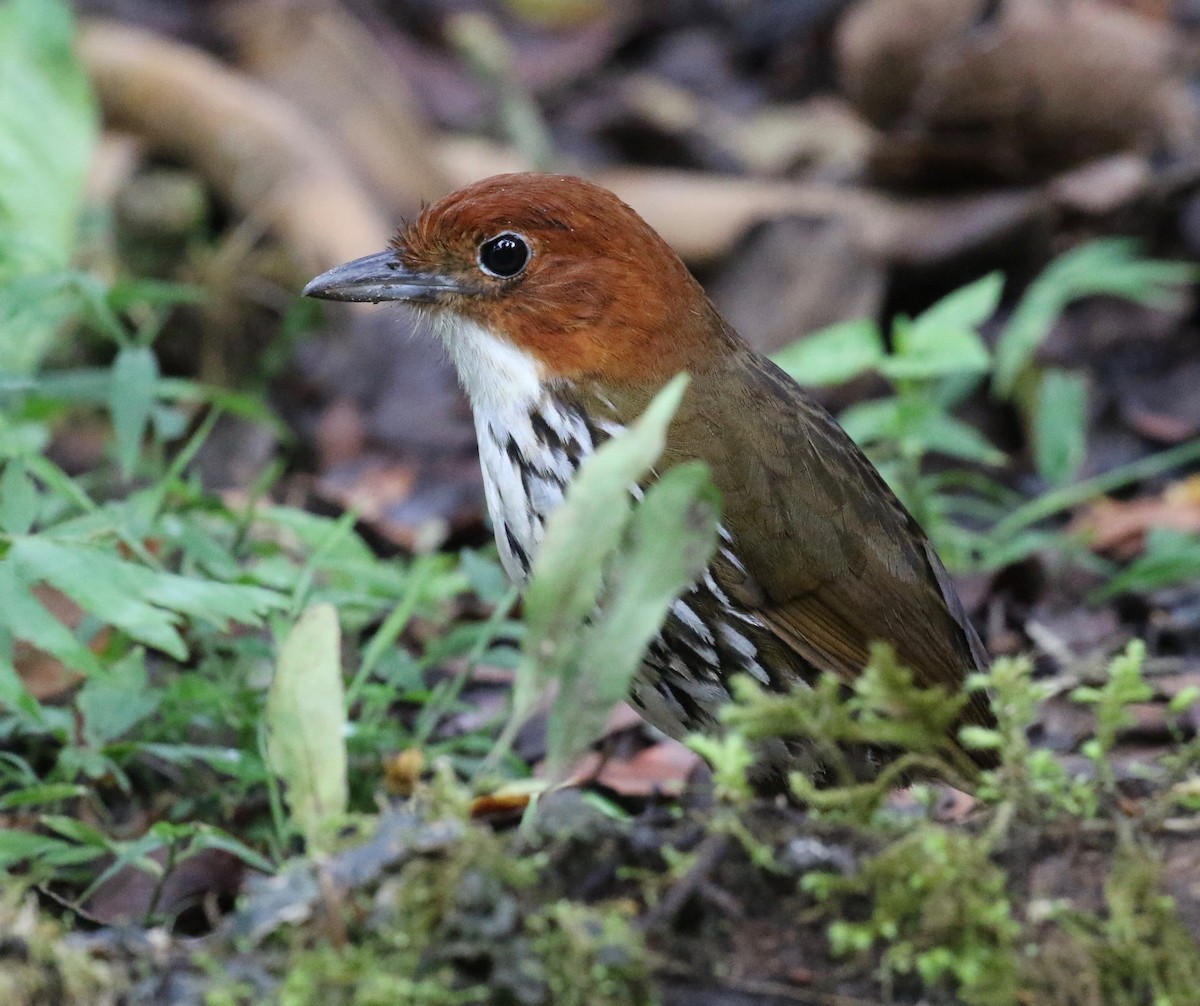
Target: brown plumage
(564,313)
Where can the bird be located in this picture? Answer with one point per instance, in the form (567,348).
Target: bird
(564,313)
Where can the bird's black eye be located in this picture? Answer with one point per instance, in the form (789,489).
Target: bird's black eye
(504,255)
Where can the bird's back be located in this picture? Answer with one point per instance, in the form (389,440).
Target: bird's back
(819,548)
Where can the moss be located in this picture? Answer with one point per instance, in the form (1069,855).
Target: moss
(591,956)
(938,909)
(1139,952)
(39,967)
(367,974)
(471,925)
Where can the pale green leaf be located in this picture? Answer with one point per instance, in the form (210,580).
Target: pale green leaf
(103,584)
(873,420)
(306,724)
(115,701)
(18,846)
(18,499)
(944,340)
(144,603)
(1060,418)
(580,534)
(1107,266)
(944,434)
(1171,557)
(931,353)
(834,354)
(670,541)
(47,131)
(27,618)
(964,310)
(211,601)
(131,397)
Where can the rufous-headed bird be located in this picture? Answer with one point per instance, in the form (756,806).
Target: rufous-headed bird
(564,313)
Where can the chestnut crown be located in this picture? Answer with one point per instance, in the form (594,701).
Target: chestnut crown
(557,266)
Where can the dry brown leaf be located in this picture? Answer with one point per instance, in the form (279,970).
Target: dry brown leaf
(662,768)
(702,215)
(1118,527)
(327,63)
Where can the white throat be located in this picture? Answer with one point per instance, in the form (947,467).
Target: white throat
(496,375)
(530,441)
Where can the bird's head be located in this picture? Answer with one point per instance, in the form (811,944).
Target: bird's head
(553,267)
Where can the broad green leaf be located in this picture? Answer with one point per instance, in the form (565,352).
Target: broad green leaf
(26,618)
(143,603)
(569,567)
(1170,557)
(77,831)
(36,306)
(103,584)
(306,724)
(127,293)
(944,340)
(943,434)
(671,538)
(20,846)
(205,836)
(45,793)
(84,385)
(1060,426)
(218,603)
(927,353)
(131,397)
(873,420)
(1108,266)
(18,499)
(17,701)
(117,700)
(47,131)
(964,310)
(834,354)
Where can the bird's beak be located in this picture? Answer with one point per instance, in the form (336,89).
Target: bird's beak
(379,277)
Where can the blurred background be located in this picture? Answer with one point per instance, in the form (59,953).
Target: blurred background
(813,161)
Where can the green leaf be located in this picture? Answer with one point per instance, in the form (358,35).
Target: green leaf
(943,434)
(131,397)
(306,724)
(102,584)
(45,793)
(127,293)
(210,601)
(27,618)
(47,132)
(77,831)
(1060,426)
(965,309)
(834,354)
(18,499)
(1107,266)
(22,846)
(930,353)
(1170,557)
(569,568)
(945,339)
(874,420)
(143,603)
(117,700)
(671,538)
